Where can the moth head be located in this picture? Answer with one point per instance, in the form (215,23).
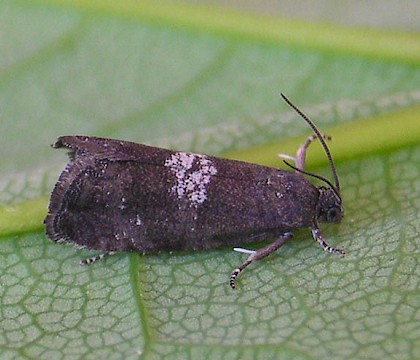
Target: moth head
(330,207)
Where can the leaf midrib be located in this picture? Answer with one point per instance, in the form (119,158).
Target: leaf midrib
(351,140)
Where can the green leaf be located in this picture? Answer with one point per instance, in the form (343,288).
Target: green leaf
(208,80)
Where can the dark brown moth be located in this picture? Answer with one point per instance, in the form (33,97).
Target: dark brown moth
(119,196)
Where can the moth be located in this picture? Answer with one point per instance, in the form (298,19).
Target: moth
(119,196)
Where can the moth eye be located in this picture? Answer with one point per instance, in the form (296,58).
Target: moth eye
(333,215)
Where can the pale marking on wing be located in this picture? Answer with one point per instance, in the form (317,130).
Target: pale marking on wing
(193,173)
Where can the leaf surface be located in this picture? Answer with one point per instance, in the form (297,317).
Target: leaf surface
(188,79)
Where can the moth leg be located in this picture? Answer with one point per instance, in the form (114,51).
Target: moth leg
(96,258)
(299,160)
(317,235)
(244,251)
(259,254)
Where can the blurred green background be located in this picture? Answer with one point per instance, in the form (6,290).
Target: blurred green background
(205,76)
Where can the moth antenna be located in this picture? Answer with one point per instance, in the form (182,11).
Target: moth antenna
(319,177)
(323,143)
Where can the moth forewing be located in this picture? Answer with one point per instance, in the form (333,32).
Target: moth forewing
(119,196)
